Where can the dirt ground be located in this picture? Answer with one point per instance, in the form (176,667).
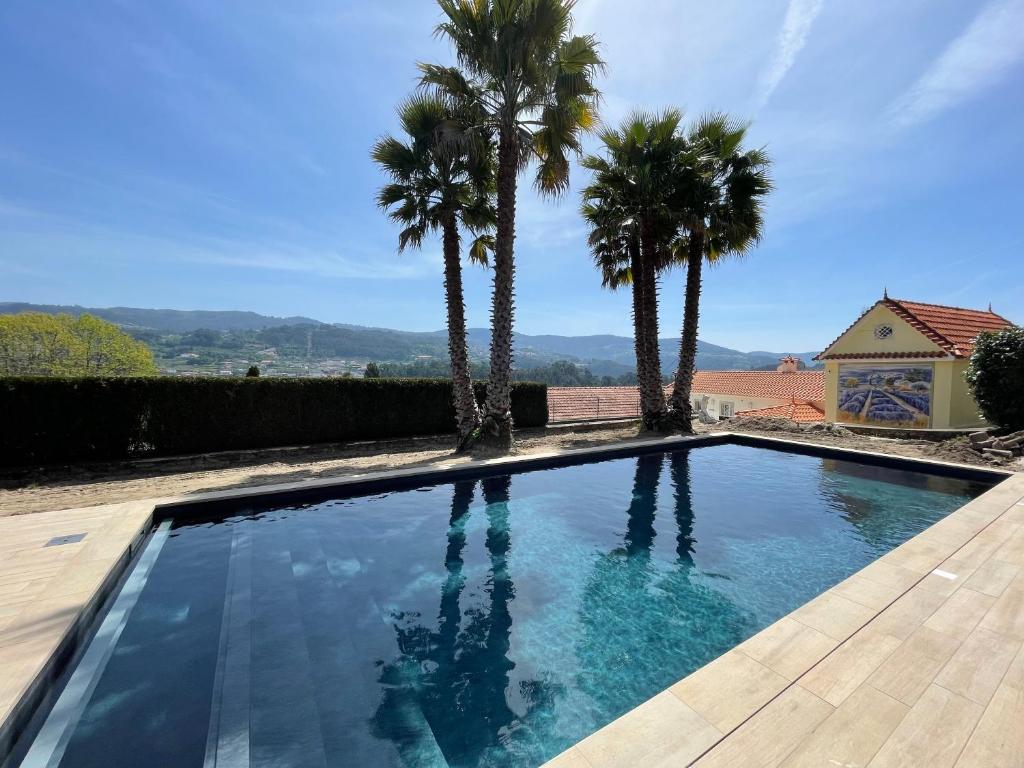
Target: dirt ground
(51,488)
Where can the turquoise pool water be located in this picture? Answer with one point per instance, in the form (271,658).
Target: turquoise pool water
(481,623)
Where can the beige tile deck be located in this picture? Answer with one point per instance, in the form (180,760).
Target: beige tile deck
(925,670)
(861,675)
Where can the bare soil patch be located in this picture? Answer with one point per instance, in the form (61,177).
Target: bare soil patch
(65,487)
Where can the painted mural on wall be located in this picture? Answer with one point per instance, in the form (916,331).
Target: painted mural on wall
(885,395)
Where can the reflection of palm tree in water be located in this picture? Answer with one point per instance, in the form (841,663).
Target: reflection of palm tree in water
(646,623)
(679,468)
(458,679)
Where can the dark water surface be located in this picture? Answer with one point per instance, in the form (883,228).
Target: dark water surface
(481,623)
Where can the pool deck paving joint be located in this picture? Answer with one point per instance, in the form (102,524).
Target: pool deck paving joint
(896,665)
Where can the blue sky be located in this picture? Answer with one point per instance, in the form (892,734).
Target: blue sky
(214,155)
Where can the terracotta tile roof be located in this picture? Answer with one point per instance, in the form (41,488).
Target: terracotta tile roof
(795,411)
(590,403)
(773,385)
(953,329)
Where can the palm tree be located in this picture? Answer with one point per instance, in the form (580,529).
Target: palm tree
(722,187)
(616,251)
(634,194)
(436,185)
(533,83)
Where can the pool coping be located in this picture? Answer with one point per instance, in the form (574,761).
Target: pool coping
(34,660)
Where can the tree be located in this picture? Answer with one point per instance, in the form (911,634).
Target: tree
(533,82)
(372,371)
(631,206)
(253,372)
(437,183)
(721,189)
(996,377)
(37,344)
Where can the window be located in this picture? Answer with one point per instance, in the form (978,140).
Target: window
(883,332)
(725,410)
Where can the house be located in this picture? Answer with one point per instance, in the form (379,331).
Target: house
(785,392)
(902,363)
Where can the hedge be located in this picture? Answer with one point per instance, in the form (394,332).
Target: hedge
(46,420)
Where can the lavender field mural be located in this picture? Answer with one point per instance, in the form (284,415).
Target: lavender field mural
(885,395)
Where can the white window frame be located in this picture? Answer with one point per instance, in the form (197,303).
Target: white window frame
(726,410)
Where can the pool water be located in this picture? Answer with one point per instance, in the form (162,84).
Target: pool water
(492,622)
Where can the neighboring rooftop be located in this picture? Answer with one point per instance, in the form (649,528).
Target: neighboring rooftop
(772,385)
(798,410)
(590,403)
(952,329)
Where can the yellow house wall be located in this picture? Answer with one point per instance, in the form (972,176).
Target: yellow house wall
(941,393)
(953,407)
(861,338)
(963,410)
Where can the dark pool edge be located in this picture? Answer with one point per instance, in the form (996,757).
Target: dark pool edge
(312,491)
(928,466)
(402,480)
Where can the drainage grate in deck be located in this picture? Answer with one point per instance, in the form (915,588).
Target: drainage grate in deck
(57,541)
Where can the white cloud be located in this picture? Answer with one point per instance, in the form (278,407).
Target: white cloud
(974,61)
(800,15)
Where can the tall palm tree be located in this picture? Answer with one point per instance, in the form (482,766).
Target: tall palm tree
(533,82)
(437,184)
(615,247)
(722,188)
(634,191)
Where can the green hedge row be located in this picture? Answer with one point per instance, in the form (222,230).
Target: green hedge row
(46,420)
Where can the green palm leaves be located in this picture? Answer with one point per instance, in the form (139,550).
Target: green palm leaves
(435,176)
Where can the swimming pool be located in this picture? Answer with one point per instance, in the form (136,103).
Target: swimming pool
(484,622)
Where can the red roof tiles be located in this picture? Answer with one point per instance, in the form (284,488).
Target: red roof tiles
(953,329)
(590,403)
(773,385)
(795,411)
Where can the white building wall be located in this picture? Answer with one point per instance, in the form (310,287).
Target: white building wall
(738,402)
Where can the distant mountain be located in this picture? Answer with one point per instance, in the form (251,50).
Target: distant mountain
(604,354)
(168,320)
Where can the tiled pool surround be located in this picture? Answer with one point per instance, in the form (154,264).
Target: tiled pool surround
(29,636)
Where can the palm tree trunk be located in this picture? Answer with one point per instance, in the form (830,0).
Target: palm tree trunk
(496,427)
(467,415)
(652,393)
(639,329)
(683,384)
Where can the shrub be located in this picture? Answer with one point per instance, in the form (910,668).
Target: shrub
(253,372)
(996,377)
(70,419)
(37,344)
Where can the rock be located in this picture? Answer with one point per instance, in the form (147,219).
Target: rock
(989,443)
(978,437)
(1014,435)
(998,452)
(1014,443)
(999,445)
